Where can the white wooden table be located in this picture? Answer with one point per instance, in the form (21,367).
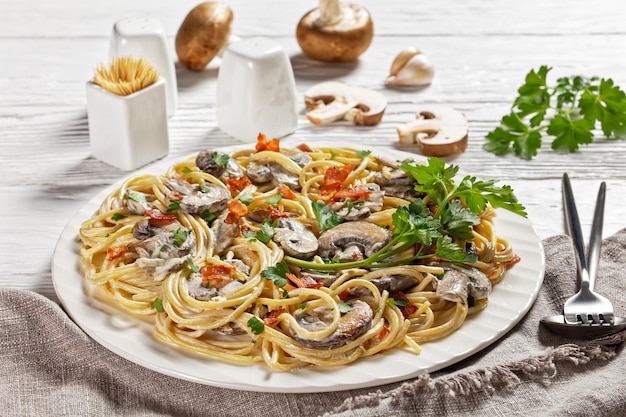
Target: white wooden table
(482,50)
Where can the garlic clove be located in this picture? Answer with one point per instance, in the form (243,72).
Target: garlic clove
(411,68)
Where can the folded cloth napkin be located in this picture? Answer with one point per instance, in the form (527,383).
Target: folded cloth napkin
(51,368)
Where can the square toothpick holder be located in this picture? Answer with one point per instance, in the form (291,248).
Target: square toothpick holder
(128,131)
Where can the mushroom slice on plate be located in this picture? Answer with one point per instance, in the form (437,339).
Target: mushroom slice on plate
(353,241)
(295,238)
(351,325)
(456,285)
(330,101)
(438,131)
(335,32)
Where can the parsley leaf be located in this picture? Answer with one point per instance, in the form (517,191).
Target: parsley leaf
(207,216)
(326,218)
(277,273)
(174,205)
(568,112)
(157,304)
(265,233)
(343,307)
(246,198)
(257,326)
(400,302)
(117,216)
(363,153)
(180,235)
(220,158)
(135,196)
(195,268)
(274,200)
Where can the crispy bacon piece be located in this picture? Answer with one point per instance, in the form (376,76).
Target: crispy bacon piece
(264,145)
(509,264)
(304,147)
(383,333)
(304,281)
(174,196)
(237,184)
(159,219)
(334,178)
(116,252)
(271,318)
(236,210)
(406,310)
(217,275)
(277,213)
(286,192)
(359,193)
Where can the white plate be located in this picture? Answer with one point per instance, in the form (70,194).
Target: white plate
(132,339)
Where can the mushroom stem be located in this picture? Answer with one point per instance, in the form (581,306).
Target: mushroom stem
(330,12)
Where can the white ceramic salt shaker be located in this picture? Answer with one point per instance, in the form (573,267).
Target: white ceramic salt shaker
(144,37)
(128,131)
(256,90)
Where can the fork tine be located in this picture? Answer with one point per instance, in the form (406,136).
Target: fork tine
(595,238)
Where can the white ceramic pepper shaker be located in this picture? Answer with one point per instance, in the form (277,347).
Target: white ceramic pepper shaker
(144,37)
(256,90)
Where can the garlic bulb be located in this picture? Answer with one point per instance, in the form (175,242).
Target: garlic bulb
(411,68)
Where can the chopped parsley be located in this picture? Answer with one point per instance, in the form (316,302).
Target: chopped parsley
(265,233)
(257,326)
(117,216)
(220,158)
(207,216)
(363,153)
(246,198)
(180,235)
(277,273)
(174,205)
(274,200)
(326,218)
(157,304)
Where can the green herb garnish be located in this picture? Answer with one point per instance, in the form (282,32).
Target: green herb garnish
(174,205)
(117,216)
(326,218)
(157,304)
(257,326)
(187,170)
(432,233)
(192,266)
(363,153)
(246,198)
(400,302)
(180,236)
(220,158)
(265,233)
(274,200)
(568,112)
(343,307)
(277,273)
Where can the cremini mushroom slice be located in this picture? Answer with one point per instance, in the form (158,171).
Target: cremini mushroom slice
(411,68)
(335,32)
(329,101)
(438,131)
(204,34)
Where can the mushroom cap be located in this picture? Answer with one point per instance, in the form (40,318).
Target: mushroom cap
(203,34)
(368,237)
(341,41)
(333,100)
(438,131)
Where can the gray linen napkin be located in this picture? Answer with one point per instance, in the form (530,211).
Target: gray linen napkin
(50,367)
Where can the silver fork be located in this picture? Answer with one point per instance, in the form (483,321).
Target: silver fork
(586,306)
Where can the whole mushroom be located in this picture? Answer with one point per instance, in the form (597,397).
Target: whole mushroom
(335,32)
(204,34)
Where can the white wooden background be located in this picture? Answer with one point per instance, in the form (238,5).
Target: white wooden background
(482,50)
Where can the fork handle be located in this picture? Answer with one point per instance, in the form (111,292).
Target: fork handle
(595,239)
(575,231)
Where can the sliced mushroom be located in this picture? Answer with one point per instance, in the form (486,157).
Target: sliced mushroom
(212,197)
(397,182)
(411,68)
(352,241)
(335,31)
(206,161)
(391,283)
(262,172)
(223,233)
(456,285)
(200,292)
(332,100)
(159,268)
(173,241)
(352,324)
(438,131)
(137,202)
(359,210)
(295,238)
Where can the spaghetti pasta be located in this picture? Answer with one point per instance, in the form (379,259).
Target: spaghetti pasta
(287,257)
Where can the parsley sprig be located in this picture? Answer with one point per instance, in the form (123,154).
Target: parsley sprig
(568,111)
(433,233)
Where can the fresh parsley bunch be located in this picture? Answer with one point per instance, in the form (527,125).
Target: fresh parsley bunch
(569,112)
